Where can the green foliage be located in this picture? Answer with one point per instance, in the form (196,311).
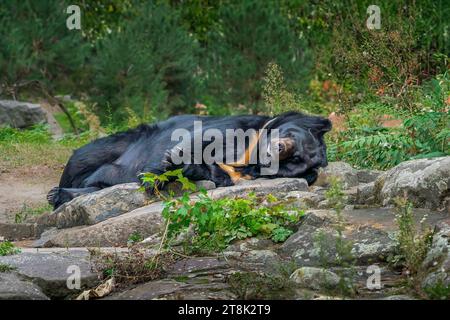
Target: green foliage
(216,223)
(26,211)
(36,134)
(35,44)
(135,237)
(413,244)
(147,66)
(8,248)
(424,133)
(439,291)
(250,35)
(342,247)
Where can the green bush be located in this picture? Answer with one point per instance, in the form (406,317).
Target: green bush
(35,44)
(250,35)
(147,66)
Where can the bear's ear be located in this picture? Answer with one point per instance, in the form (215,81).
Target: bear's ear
(322,126)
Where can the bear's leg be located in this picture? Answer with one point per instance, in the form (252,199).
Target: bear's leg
(58,196)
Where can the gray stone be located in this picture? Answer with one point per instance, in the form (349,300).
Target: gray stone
(12,287)
(312,246)
(260,186)
(18,114)
(303,199)
(367,176)
(171,289)
(17,231)
(315,278)
(50,270)
(426,182)
(98,206)
(399,297)
(146,220)
(341,170)
(115,231)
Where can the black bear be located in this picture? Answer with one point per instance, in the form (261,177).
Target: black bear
(121,157)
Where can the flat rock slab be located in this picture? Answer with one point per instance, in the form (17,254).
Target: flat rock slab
(13,287)
(51,270)
(260,187)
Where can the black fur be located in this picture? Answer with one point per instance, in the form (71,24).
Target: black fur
(121,157)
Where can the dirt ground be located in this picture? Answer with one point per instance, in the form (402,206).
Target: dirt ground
(22,188)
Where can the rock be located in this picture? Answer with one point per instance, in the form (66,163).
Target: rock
(342,170)
(17,231)
(205,184)
(261,187)
(12,287)
(197,265)
(98,206)
(145,221)
(50,270)
(365,193)
(171,289)
(303,199)
(315,278)
(312,246)
(437,261)
(426,183)
(18,114)
(367,176)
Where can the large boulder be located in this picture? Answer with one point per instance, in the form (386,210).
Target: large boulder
(99,206)
(18,114)
(426,183)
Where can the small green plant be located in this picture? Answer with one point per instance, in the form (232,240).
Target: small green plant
(8,248)
(26,212)
(342,247)
(6,268)
(216,223)
(153,181)
(413,244)
(135,237)
(439,291)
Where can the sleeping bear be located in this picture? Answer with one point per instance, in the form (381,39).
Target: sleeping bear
(298,148)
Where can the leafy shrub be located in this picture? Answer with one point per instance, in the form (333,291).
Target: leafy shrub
(251,34)
(8,248)
(147,66)
(35,44)
(425,133)
(413,244)
(216,223)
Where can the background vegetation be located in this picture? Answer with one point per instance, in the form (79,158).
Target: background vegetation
(139,61)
